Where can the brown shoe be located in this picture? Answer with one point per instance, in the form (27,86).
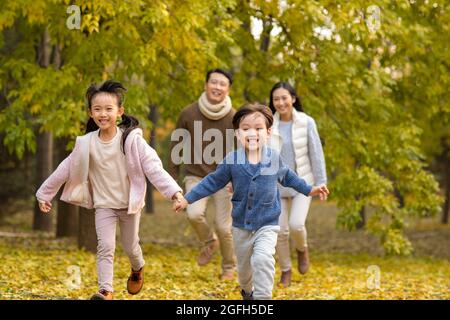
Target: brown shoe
(303,261)
(135,281)
(227,275)
(285,280)
(102,295)
(207,252)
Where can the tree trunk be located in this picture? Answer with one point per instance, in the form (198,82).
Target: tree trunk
(44,167)
(265,35)
(87,236)
(400,198)
(153,116)
(67,218)
(44,154)
(362,222)
(44,50)
(447,196)
(67,223)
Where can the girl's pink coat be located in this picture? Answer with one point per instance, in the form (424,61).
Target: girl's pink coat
(141,161)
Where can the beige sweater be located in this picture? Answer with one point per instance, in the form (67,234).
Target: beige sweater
(108,173)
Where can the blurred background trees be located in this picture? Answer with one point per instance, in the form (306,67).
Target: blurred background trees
(374,76)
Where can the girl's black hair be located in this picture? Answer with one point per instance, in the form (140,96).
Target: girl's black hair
(285,85)
(116,89)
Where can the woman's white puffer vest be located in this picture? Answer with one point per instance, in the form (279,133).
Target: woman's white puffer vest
(299,140)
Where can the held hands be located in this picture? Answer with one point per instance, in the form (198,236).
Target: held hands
(321,191)
(44,206)
(179,202)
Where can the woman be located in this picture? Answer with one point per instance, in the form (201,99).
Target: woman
(295,135)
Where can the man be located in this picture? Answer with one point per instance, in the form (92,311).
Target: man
(214,112)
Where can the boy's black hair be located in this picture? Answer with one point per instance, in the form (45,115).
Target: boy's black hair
(116,89)
(221,71)
(285,85)
(250,108)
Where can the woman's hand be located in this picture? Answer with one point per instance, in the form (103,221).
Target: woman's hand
(321,191)
(44,206)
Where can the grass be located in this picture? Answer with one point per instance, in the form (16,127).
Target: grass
(344,265)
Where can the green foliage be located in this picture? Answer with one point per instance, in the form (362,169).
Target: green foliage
(379,95)
(154,47)
(351,79)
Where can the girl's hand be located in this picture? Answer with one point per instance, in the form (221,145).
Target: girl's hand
(179,204)
(45,206)
(321,191)
(177,196)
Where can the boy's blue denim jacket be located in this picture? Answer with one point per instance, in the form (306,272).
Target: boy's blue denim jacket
(256,199)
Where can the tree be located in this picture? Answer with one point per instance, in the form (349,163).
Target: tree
(68,216)
(153,116)
(331,52)
(363,79)
(87,237)
(154,47)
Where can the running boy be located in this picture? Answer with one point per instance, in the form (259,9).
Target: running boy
(254,171)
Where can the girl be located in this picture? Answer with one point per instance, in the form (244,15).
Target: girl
(295,136)
(106,171)
(254,172)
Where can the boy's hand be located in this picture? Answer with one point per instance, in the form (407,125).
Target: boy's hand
(45,206)
(321,191)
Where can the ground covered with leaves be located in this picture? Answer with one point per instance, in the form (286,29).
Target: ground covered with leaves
(344,265)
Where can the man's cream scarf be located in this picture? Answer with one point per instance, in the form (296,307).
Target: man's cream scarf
(214,111)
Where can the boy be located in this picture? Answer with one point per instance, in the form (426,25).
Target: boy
(254,171)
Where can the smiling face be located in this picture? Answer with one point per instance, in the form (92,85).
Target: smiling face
(217,88)
(253,132)
(283,102)
(105,110)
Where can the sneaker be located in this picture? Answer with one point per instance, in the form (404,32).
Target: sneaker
(135,281)
(102,295)
(207,252)
(227,275)
(285,280)
(246,296)
(303,261)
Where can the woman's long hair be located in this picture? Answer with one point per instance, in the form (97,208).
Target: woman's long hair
(117,89)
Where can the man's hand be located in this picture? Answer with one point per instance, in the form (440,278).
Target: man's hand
(321,191)
(45,206)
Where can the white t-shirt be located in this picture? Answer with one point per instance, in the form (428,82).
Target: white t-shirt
(107,172)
